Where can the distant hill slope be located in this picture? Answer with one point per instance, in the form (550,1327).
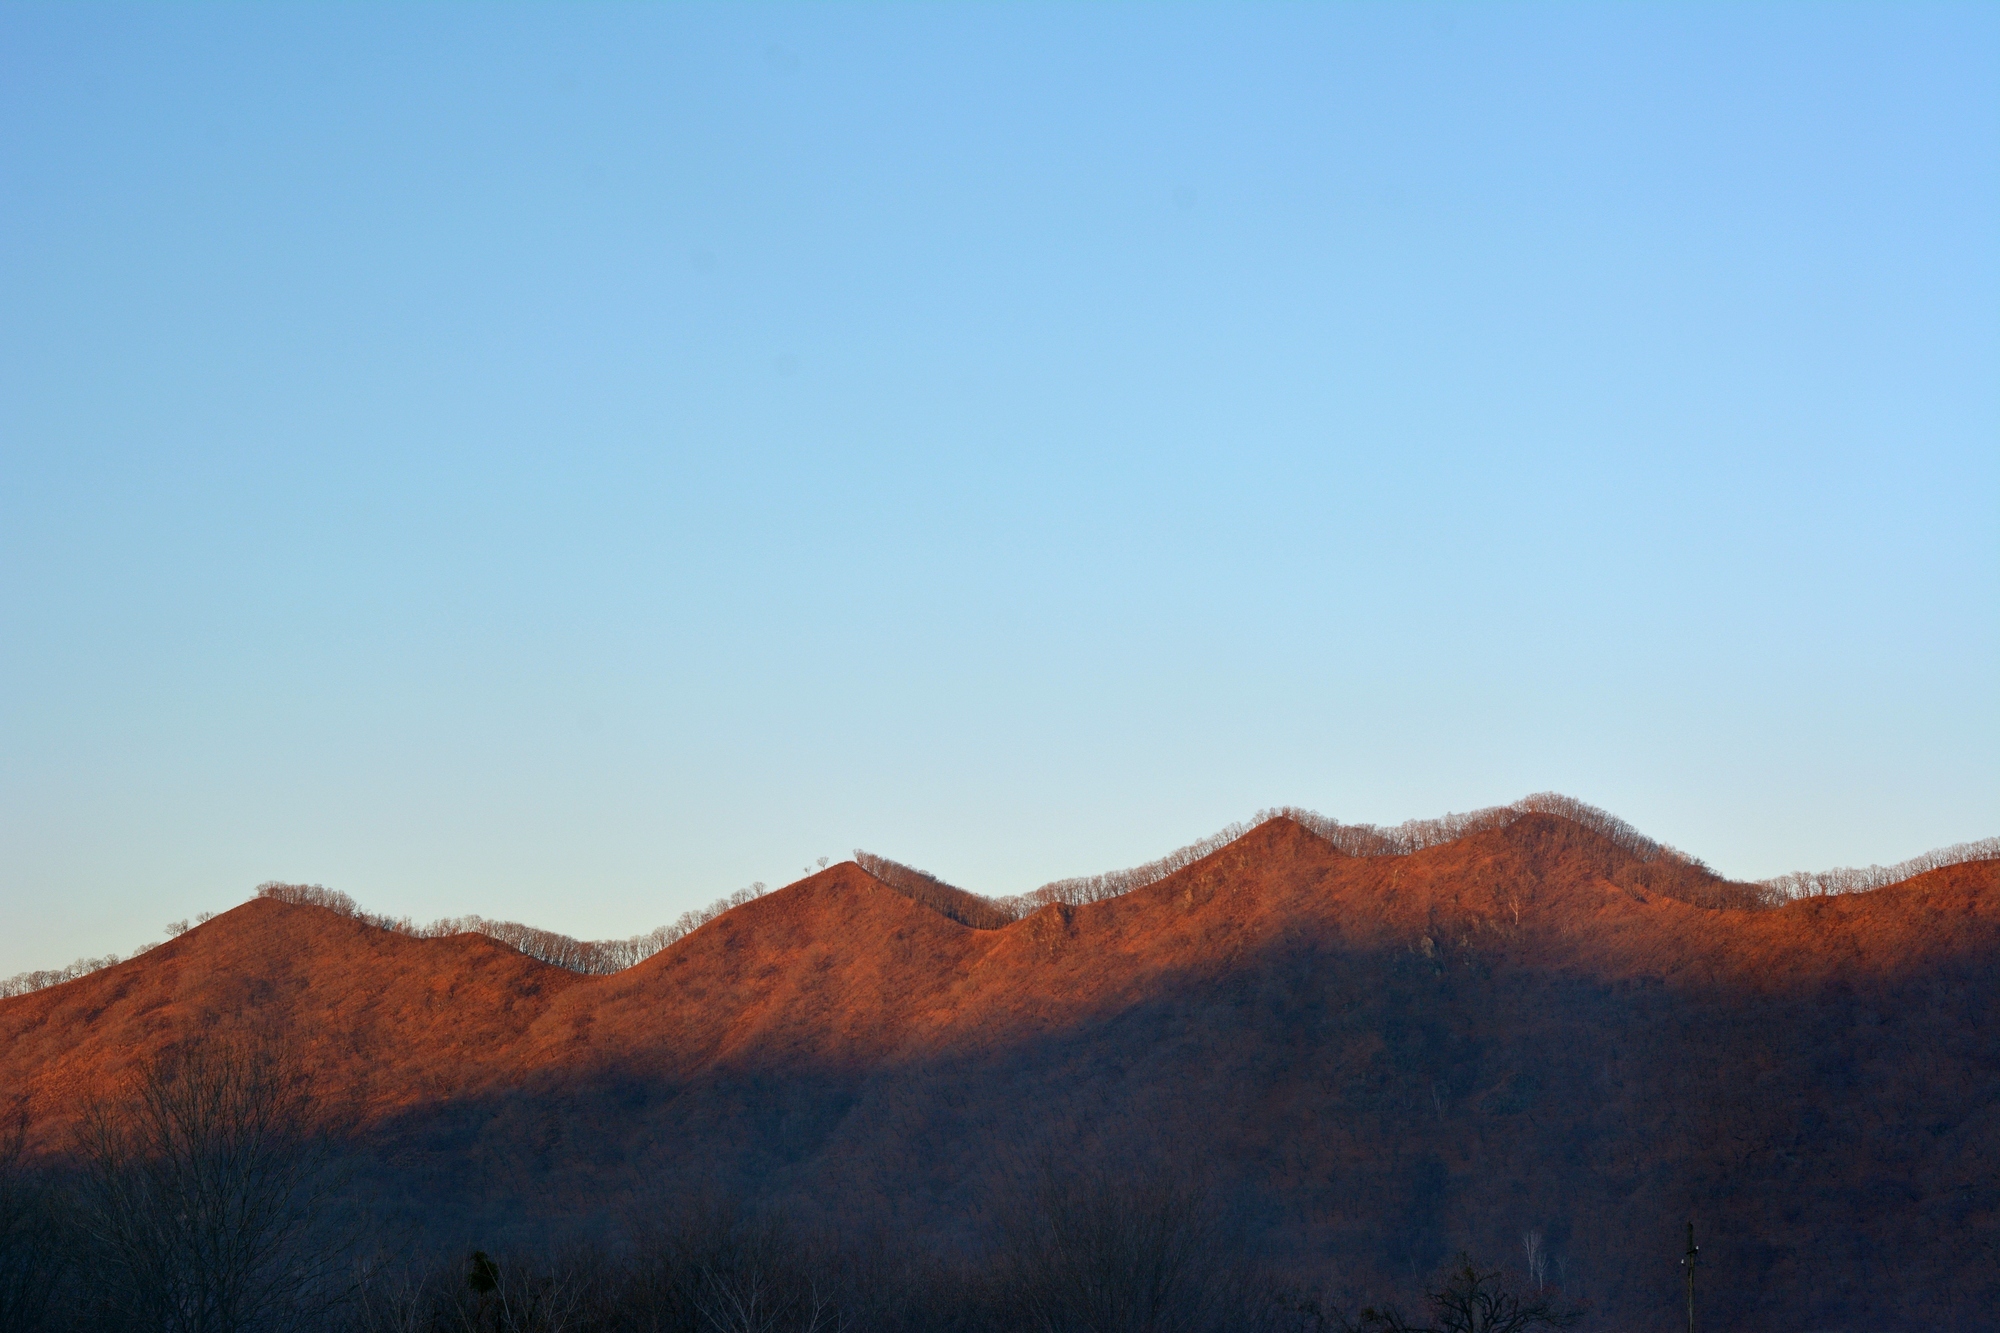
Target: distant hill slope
(385,1019)
(1377,1058)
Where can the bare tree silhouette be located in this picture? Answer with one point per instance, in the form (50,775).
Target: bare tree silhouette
(203,1192)
(1537,1255)
(34,1231)
(1471,1301)
(1093,1251)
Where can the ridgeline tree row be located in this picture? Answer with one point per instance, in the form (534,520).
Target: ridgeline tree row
(1659,868)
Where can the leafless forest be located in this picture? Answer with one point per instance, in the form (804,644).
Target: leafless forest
(208,1198)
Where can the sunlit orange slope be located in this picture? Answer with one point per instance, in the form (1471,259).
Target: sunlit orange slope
(385,1019)
(1376,1060)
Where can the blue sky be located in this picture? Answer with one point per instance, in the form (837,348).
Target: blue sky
(566,463)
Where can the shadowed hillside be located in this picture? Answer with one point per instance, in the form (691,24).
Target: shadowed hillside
(1536,1023)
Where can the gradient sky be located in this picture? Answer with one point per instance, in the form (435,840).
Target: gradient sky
(566,463)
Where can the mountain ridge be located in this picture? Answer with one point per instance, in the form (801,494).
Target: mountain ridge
(803,928)
(603,957)
(1379,1057)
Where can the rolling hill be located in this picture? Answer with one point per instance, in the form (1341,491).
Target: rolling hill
(1535,1023)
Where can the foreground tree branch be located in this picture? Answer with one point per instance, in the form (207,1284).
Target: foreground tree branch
(203,1191)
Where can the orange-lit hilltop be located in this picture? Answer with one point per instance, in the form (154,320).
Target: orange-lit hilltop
(1378,1046)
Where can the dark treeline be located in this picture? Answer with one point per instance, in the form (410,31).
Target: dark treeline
(207,1198)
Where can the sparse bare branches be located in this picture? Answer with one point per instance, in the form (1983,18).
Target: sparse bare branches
(1417,835)
(1096,1252)
(1655,866)
(28,982)
(752,1298)
(983,913)
(1116,883)
(203,1189)
(960,905)
(1820,883)
(590,957)
(315,895)
(564,1292)
(1472,1301)
(33,1232)
(711,1267)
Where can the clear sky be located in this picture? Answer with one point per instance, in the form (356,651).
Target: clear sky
(566,463)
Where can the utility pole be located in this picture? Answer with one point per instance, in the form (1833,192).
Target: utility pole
(1689,1263)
